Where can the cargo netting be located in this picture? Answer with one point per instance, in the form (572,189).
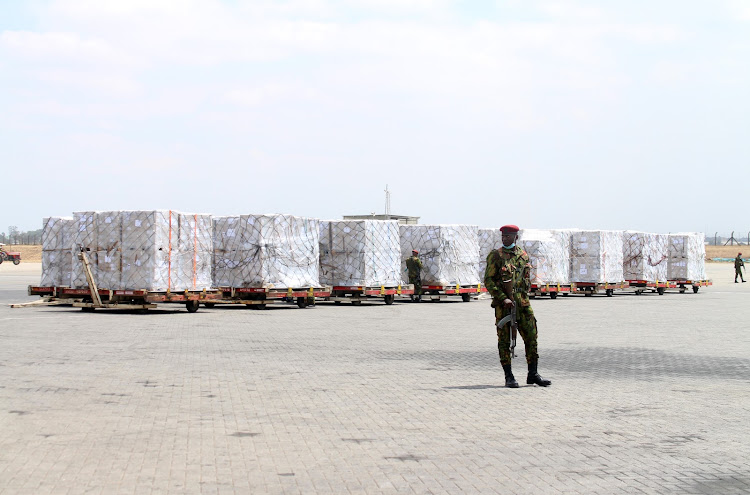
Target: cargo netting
(57,258)
(360,252)
(154,250)
(644,256)
(272,251)
(449,253)
(549,255)
(489,240)
(687,256)
(596,256)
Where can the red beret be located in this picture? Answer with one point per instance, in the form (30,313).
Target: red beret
(509,229)
(414,251)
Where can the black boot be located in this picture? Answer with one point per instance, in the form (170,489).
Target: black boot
(534,377)
(510,380)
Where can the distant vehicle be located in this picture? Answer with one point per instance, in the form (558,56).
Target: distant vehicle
(13,256)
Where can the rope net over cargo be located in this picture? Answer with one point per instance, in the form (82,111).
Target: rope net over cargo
(549,255)
(596,256)
(686,256)
(449,253)
(57,258)
(266,251)
(155,250)
(644,256)
(360,252)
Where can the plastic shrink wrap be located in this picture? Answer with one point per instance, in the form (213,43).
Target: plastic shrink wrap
(266,251)
(57,251)
(644,256)
(153,250)
(687,256)
(596,256)
(360,252)
(449,253)
(489,239)
(549,253)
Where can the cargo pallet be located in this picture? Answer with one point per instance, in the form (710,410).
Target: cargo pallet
(260,297)
(438,292)
(682,284)
(356,294)
(118,298)
(591,288)
(551,290)
(641,286)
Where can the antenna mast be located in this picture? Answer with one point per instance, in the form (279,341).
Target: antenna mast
(387,202)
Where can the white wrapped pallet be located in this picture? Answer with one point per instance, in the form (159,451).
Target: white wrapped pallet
(266,251)
(596,256)
(549,253)
(489,239)
(108,227)
(153,250)
(166,249)
(360,252)
(57,253)
(84,237)
(687,256)
(644,256)
(449,253)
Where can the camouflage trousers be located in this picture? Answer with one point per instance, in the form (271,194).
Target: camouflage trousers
(417,281)
(526,330)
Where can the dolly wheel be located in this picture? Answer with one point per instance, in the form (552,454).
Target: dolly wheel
(88,309)
(695,289)
(356,302)
(466,297)
(553,295)
(660,290)
(209,305)
(302,302)
(389,298)
(192,306)
(610,292)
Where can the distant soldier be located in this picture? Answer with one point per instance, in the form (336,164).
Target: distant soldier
(738,264)
(507,279)
(414,266)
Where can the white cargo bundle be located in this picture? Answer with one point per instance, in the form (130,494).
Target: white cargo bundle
(360,252)
(449,253)
(549,252)
(269,251)
(687,256)
(489,239)
(596,256)
(57,251)
(644,256)
(153,250)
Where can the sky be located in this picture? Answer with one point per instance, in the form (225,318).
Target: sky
(546,114)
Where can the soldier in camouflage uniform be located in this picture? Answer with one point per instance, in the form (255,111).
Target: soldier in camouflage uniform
(414,266)
(738,264)
(508,280)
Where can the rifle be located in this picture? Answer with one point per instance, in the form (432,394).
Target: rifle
(513,329)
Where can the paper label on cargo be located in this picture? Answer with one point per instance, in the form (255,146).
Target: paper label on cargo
(584,245)
(583,270)
(108,220)
(137,223)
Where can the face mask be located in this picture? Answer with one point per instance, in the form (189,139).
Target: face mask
(511,246)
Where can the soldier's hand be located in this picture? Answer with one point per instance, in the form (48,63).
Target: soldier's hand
(507,303)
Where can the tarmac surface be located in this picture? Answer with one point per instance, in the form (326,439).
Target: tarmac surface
(650,394)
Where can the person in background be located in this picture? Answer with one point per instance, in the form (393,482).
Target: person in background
(738,264)
(414,267)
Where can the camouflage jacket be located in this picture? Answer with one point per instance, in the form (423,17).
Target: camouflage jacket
(414,266)
(508,265)
(738,263)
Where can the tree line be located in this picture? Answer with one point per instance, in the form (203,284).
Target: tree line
(17,236)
